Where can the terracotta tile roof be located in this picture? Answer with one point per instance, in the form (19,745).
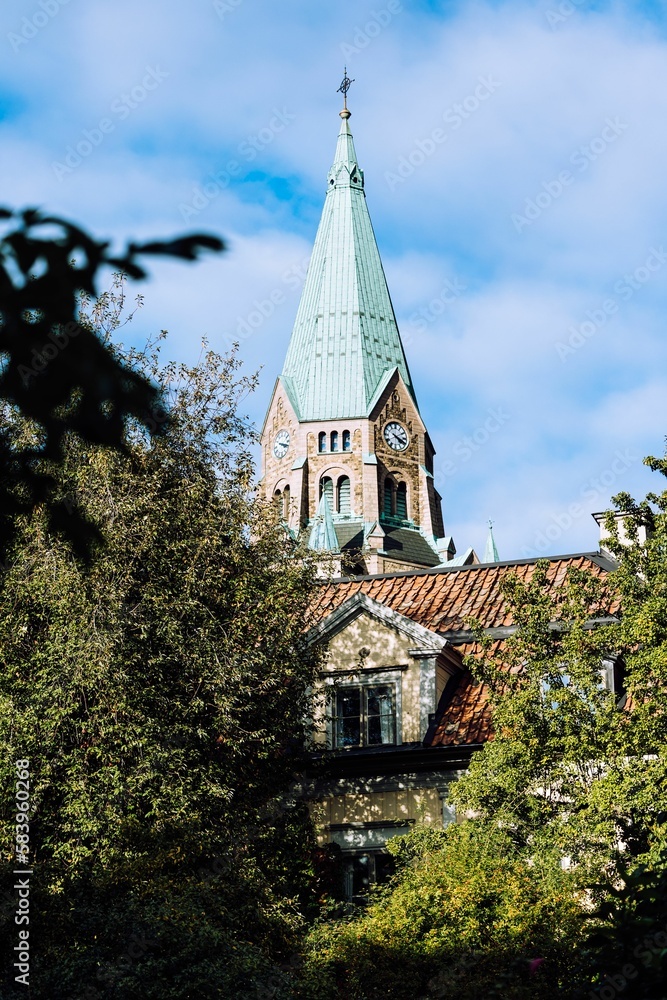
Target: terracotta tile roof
(464,715)
(442,600)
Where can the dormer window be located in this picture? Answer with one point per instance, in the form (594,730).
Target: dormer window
(364,715)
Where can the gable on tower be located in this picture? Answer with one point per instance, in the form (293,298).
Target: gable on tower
(344,439)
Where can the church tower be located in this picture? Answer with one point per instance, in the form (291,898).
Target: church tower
(345,452)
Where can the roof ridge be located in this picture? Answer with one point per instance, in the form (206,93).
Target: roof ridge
(595,557)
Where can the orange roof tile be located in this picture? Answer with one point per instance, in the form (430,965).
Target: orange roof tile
(442,600)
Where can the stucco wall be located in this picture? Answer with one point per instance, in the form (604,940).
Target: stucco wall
(387,648)
(413,805)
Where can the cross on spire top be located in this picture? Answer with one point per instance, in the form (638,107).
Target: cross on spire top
(344,87)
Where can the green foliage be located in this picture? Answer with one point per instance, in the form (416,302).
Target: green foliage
(577,770)
(560,751)
(463,917)
(55,369)
(161,697)
(627,941)
(573,765)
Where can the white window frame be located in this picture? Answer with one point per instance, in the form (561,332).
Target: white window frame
(389,676)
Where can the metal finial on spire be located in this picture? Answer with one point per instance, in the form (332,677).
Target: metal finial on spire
(491,552)
(344,87)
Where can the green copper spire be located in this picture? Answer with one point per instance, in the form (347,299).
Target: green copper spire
(491,552)
(345,339)
(323,536)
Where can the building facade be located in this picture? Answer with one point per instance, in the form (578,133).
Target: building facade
(345,451)
(347,457)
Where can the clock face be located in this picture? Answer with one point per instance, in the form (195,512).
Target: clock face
(396,436)
(281,444)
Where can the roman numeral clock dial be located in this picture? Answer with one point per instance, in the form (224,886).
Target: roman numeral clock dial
(396,436)
(281,444)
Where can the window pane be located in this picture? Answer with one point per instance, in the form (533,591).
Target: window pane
(334,440)
(380,720)
(388,498)
(360,875)
(322,442)
(357,871)
(348,717)
(348,732)
(346,440)
(401,501)
(349,702)
(326,489)
(344,495)
(384,867)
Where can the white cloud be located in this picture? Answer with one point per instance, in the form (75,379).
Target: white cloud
(449,220)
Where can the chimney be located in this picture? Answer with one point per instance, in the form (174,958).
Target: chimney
(619,517)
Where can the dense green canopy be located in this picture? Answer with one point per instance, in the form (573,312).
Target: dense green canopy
(161,698)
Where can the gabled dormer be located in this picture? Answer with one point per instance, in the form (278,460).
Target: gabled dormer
(383,678)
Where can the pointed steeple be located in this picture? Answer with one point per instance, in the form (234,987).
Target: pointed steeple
(323,536)
(491,552)
(345,340)
(343,430)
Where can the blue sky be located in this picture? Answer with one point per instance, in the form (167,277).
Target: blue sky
(515,156)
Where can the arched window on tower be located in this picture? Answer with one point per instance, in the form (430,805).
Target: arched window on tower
(346,441)
(327,490)
(286,500)
(389,505)
(322,441)
(334,441)
(402,501)
(278,502)
(343,498)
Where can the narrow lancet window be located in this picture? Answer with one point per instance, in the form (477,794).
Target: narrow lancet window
(344,504)
(402,501)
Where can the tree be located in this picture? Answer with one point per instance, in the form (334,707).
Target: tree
(573,764)
(160,696)
(55,369)
(577,769)
(463,918)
